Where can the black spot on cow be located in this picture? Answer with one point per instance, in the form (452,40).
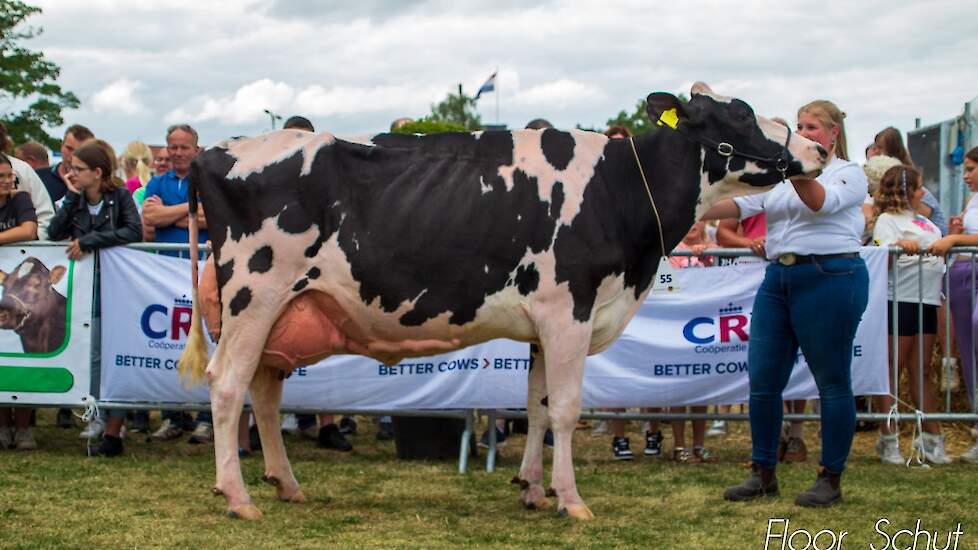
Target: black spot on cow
(303,283)
(224,273)
(545,401)
(314,273)
(240,301)
(558,148)
(294,219)
(527,279)
(313,249)
(261,260)
(556,199)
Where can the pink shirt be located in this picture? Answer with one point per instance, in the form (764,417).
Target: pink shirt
(754,227)
(133,183)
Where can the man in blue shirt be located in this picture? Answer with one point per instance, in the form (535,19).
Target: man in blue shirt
(165,207)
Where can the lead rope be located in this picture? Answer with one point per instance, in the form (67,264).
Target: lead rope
(648,191)
(917,454)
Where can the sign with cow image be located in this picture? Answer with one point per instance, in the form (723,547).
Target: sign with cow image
(45,326)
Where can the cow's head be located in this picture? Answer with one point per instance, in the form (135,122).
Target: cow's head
(743,153)
(27,292)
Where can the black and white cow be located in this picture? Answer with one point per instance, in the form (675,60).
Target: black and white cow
(424,244)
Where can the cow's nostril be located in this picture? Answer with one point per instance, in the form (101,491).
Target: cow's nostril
(822,152)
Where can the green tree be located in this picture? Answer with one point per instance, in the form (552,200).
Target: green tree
(30,97)
(637,121)
(457,109)
(428,125)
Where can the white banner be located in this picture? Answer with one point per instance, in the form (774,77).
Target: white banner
(45,326)
(684,347)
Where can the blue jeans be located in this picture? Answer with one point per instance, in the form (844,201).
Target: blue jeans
(817,307)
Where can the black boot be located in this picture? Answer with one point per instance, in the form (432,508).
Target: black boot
(761,483)
(331,438)
(826,491)
(109,447)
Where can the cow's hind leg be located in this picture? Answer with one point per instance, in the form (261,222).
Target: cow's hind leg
(266,397)
(530,478)
(565,348)
(230,372)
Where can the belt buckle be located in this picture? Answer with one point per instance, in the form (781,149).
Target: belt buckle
(787,259)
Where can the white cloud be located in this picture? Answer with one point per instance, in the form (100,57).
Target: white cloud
(119,96)
(559,94)
(247,104)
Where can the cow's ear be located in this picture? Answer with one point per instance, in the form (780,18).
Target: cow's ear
(666,110)
(3,276)
(56,274)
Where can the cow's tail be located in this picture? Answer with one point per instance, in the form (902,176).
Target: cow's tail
(193,361)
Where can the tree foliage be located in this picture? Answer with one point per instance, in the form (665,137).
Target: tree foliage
(457,109)
(428,125)
(30,98)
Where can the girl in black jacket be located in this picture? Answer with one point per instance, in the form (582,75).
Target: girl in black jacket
(97,212)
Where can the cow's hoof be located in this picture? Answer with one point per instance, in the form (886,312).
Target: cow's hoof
(297,497)
(533,498)
(576,511)
(246,511)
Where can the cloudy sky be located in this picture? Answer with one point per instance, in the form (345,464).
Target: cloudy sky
(352,67)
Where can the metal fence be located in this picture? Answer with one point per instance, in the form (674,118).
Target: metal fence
(908,412)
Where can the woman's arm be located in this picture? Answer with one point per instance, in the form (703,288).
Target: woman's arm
(810,192)
(942,246)
(26,231)
(60,227)
(726,208)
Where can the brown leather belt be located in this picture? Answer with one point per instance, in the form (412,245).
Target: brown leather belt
(792,259)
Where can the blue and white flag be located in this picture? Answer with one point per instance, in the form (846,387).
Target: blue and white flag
(489,86)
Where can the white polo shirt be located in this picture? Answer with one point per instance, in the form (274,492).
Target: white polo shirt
(793,227)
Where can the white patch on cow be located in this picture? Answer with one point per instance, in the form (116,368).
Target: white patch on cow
(286,269)
(712,193)
(25,269)
(487,268)
(484,186)
(529,158)
(255,154)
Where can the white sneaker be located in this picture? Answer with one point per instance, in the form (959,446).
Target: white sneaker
(94,429)
(24,440)
(290,424)
(933,448)
(971,455)
(888,449)
(6,437)
(717,429)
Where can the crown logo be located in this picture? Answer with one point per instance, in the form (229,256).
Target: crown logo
(183,302)
(730,309)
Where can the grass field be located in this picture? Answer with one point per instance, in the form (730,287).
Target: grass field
(158,496)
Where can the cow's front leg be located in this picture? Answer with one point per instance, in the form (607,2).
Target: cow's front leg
(565,349)
(266,397)
(530,479)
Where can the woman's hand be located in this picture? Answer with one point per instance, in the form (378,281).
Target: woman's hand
(757,247)
(940,247)
(955,226)
(70,183)
(74,250)
(909,247)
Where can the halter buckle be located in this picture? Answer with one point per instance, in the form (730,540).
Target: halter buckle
(725,149)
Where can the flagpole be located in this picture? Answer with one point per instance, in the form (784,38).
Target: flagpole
(497,95)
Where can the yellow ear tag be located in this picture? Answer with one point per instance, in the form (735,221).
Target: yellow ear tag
(669,118)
